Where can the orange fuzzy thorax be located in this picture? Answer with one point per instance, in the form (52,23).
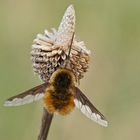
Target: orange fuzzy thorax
(59,94)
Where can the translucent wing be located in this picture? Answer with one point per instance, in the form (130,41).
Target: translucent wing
(27,97)
(88,109)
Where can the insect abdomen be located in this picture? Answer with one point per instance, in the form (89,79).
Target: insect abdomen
(58,102)
(59,94)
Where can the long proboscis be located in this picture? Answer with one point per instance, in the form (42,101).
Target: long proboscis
(70,47)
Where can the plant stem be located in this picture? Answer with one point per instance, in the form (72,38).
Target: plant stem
(45,125)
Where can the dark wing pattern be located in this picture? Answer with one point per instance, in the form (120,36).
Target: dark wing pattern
(87,108)
(27,97)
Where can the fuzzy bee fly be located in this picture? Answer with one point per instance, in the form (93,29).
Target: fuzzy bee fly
(59,91)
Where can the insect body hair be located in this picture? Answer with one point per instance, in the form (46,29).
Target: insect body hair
(59,94)
(62,80)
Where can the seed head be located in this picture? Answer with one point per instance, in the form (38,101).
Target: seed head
(50,50)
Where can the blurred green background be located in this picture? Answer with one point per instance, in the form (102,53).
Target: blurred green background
(111,30)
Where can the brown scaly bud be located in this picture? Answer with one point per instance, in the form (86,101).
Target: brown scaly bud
(50,50)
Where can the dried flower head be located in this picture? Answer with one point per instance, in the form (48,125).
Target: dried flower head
(50,50)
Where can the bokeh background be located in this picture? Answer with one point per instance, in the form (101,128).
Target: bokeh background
(111,30)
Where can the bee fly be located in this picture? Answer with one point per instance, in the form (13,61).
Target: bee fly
(59,93)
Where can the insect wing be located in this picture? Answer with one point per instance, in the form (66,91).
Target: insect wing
(27,97)
(87,108)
